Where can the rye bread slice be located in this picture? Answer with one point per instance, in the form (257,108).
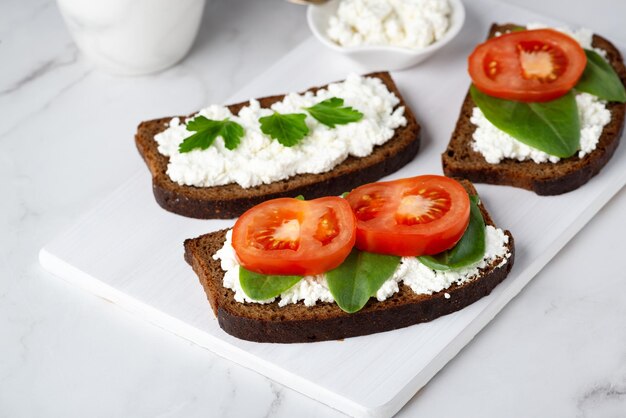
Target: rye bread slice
(232,200)
(460,160)
(297,323)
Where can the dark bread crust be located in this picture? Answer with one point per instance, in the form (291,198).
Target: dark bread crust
(460,160)
(326,321)
(232,200)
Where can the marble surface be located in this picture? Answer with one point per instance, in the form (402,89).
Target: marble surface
(558,349)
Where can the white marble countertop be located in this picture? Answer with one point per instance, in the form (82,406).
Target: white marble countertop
(558,349)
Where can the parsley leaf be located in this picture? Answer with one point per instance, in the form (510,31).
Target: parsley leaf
(288,129)
(332,112)
(206,130)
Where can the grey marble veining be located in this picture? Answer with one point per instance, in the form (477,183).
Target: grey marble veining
(558,349)
(607,399)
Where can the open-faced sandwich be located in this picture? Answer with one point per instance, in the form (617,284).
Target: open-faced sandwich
(385,256)
(225,159)
(545,111)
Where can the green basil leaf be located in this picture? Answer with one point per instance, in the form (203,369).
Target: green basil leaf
(359,277)
(600,79)
(288,129)
(264,286)
(552,127)
(332,112)
(206,130)
(470,248)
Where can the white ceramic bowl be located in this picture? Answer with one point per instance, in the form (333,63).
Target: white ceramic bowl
(133,37)
(378,57)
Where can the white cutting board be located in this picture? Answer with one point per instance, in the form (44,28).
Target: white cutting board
(129,250)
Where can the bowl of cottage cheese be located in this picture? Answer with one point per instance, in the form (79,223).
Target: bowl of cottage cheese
(386,34)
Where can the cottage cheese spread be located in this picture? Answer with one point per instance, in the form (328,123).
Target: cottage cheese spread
(404,23)
(261,160)
(496,145)
(421,279)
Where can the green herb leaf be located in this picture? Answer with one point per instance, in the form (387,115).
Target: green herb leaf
(332,112)
(344,194)
(552,127)
(359,277)
(299,197)
(264,286)
(206,130)
(600,79)
(288,129)
(470,248)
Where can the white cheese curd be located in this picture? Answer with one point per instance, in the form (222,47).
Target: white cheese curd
(424,280)
(594,116)
(260,159)
(405,23)
(495,145)
(230,265)
(309,290)
(421,279)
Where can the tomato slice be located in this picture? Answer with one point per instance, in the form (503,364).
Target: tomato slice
(295,237)
(528,66)
(410,217)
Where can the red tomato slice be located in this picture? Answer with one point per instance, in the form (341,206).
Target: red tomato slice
(528,66)
(295,237)
(410,217)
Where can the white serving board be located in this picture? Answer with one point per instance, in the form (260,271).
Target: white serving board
(129,250)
